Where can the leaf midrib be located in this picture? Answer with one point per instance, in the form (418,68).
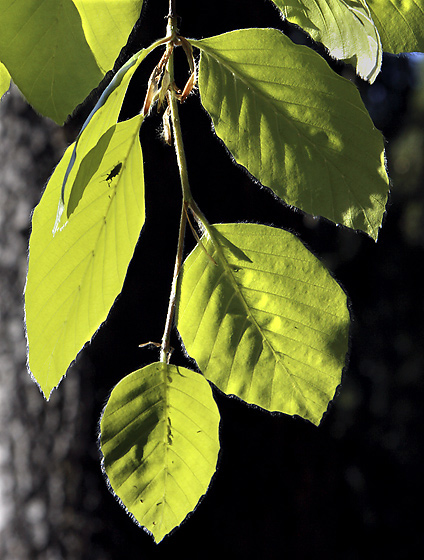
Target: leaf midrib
(212,54)
(277,355)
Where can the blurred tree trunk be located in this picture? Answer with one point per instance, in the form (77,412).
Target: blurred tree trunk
(41,502)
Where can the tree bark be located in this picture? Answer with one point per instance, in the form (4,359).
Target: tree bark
(41,444)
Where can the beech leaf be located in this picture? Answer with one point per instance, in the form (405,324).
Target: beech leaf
(160,442)
(75,276)
(298,127)
(267,323)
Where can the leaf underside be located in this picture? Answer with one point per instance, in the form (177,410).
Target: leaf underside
(268,323)
(56,53)
(160,444)
(107,26)
(345,28)
(75,276)
(400,24)
(297,127)
(93,140)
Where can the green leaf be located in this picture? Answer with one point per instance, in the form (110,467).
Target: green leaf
(268,323)
(400,23)
(345,27)
(107,26)
(51,60)
(43,46)
(89,166)
(159,440)
(75,276)
(4,80)
(295,125)
(94,137)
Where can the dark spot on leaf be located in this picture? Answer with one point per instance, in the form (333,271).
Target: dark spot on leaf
(114,172)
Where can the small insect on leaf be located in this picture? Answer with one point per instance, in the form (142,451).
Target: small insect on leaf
(115,171)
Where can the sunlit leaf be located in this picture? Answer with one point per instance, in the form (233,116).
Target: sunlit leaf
(345,27)
(56,54)
(159,440)
(107,25)
(400,24)
(268,323)
(94,137)
(43,47)
(4,80)
(295,125)
(75,276)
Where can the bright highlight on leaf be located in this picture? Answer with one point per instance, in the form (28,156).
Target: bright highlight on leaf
(4,80)
(295,125)
(159,440)
(345,27)
(56,53)
(75,276)
(268,324)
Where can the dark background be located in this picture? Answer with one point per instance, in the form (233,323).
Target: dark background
(351,488)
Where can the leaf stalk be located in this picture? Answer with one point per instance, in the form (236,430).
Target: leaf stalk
(188,202)
(165,349)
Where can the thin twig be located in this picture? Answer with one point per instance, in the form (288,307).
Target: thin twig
(165,346)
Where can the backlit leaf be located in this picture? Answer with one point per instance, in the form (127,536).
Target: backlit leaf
(295,125)
(56,54)
(268,323)
(93,139)
(75,276)
(400,23)
(107,25)
(159,440)
(345,27)
(4,80)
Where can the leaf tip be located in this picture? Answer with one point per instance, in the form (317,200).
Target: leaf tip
(44,390)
